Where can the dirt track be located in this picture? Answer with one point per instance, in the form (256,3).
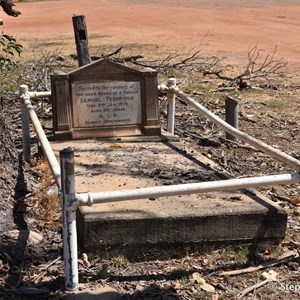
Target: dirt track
(231,25)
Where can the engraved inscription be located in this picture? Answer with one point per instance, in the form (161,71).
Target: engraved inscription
(106,104)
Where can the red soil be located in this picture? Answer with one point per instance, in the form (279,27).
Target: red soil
(231,26)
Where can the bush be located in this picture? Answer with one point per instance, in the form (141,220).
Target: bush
(9,48)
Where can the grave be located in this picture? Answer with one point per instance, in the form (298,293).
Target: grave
(105,99)
(157,228)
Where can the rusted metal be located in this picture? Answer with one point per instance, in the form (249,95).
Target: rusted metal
(69,219)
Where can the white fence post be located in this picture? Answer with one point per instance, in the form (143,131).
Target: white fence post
(69,219)
(171,105)
(25,124)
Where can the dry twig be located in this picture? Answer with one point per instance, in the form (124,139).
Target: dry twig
(40,276)
(252,288)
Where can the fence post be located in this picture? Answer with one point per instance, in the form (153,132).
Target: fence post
(81,39)
(25,124)
(69,219)
(171,105)
(231,115)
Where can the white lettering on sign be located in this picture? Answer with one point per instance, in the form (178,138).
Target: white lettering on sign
(106,104)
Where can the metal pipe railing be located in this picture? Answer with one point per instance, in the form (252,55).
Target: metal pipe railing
(35,94)
(171,106)
(273,152)
(69,219)
(184,189)
(25,127)
(29,111)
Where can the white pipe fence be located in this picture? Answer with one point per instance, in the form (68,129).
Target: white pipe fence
(28,111)
(184,189)
(65,178)
(273,152)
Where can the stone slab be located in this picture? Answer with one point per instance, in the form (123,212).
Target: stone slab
(148,227)
(98,293)
(105,99)
(106,104)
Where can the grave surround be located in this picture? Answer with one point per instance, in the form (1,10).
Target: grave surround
(105,99)
(158,228)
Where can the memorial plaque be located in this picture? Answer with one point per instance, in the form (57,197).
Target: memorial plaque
(106,104)
(105,99)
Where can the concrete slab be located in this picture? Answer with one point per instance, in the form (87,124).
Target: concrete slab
(98,293)
(168,225)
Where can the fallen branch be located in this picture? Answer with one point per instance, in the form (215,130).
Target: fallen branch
(250,148)
(292,244)
(253,287)
(283,259)
(203,140)
(40,276)
(132,59)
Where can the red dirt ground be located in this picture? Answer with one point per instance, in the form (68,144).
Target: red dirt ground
(232,26)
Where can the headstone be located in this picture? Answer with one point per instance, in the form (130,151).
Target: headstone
(105,99)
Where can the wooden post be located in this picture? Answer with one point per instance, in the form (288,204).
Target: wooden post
(231,115)
(81,39)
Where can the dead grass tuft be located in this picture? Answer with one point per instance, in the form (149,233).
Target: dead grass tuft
(47,207)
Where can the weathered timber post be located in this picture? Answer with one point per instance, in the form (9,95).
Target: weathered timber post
(171,105)
(231,115)
(25,124)
(81,39)
(69,219)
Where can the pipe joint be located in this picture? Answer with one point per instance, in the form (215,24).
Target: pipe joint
(162,88)
(90,199)
(72,204)
(23,89)
(171,85)
(84,199)
(171,82)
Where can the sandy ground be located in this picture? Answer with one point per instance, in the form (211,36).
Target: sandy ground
(231,26)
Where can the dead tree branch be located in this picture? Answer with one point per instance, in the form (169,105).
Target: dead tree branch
(38,72)
(257,67)
(112,57)
(191,61)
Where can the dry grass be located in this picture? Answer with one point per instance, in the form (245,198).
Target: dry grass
(47,207)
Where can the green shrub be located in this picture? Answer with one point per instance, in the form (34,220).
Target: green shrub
(9,48)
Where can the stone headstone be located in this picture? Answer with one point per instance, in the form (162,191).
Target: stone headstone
(105,99)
